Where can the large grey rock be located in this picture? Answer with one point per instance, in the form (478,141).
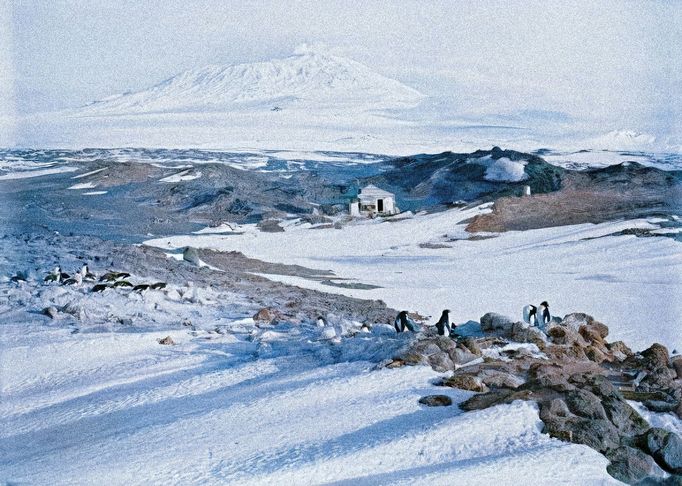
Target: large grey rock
(191,255)
(670,455)
(436,401)
(500,378)
(441,362)
(471,345)
(522,333)
(666,448)
(585,404)
(462,356)
(493,322)
(629,465)
(466,382)
(656,356)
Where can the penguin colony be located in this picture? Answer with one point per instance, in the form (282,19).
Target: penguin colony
(538,316)
(109,280)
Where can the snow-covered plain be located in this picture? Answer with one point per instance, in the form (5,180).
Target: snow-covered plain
(575,268)
(241,404)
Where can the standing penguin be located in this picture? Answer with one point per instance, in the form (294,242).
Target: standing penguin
(444,323)
(402,321)
(545,316)
(87,276)
(530,314)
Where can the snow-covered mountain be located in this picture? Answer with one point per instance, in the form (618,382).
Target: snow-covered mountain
(310,78)
(623,140)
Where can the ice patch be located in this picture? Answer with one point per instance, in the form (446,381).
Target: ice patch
(181,176)
(35,173)
(84,185)
(80,176)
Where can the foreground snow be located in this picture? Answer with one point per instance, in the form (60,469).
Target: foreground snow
(118,408)
(629,283)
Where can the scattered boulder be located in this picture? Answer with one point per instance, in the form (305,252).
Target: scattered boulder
(619,350)
(629,465)
(167,341)
(523,333)
(266,315)
(656,356)
(441,362)
(191,255)
(466,381)
(436,401)
(492,322)
(665,447)
(270,226)
(472,346)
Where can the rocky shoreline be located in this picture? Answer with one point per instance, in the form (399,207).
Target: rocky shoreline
(580,382)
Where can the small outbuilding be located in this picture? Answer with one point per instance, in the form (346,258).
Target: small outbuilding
(372,201)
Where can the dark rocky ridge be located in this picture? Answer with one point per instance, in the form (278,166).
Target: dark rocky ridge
(137,203)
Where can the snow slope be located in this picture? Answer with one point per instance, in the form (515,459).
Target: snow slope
(309,78)
(247,405)
(575,268)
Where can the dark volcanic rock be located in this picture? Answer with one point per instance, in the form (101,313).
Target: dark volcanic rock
(629,465)
(666,448)
(436,401)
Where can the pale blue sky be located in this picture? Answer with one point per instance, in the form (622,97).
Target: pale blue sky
(595,61)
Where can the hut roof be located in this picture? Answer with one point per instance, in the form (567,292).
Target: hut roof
(372,191)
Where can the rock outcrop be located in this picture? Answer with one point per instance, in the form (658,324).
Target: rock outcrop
(580,382)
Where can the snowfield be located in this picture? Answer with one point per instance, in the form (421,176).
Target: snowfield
(427,264)
(251,406)
(91,396)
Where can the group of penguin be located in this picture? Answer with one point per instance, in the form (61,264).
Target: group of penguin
(535,316)
(110,279)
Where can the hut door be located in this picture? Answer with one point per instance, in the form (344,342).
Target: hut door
(380,205)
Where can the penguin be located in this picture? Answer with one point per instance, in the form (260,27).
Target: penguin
(444,323)
(19,277)
(366,327)
(100,288)
(77,279)
(63,275)
(399,322)
(54,276)
(113,276)
(402,321)
(121,283)
(545,316)
(321,322)
(158,286)
(530,314)
(87,276)
(141,287)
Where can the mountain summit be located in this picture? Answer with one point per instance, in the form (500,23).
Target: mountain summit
(311,78)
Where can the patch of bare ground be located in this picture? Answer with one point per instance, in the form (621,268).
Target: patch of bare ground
(584,199)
